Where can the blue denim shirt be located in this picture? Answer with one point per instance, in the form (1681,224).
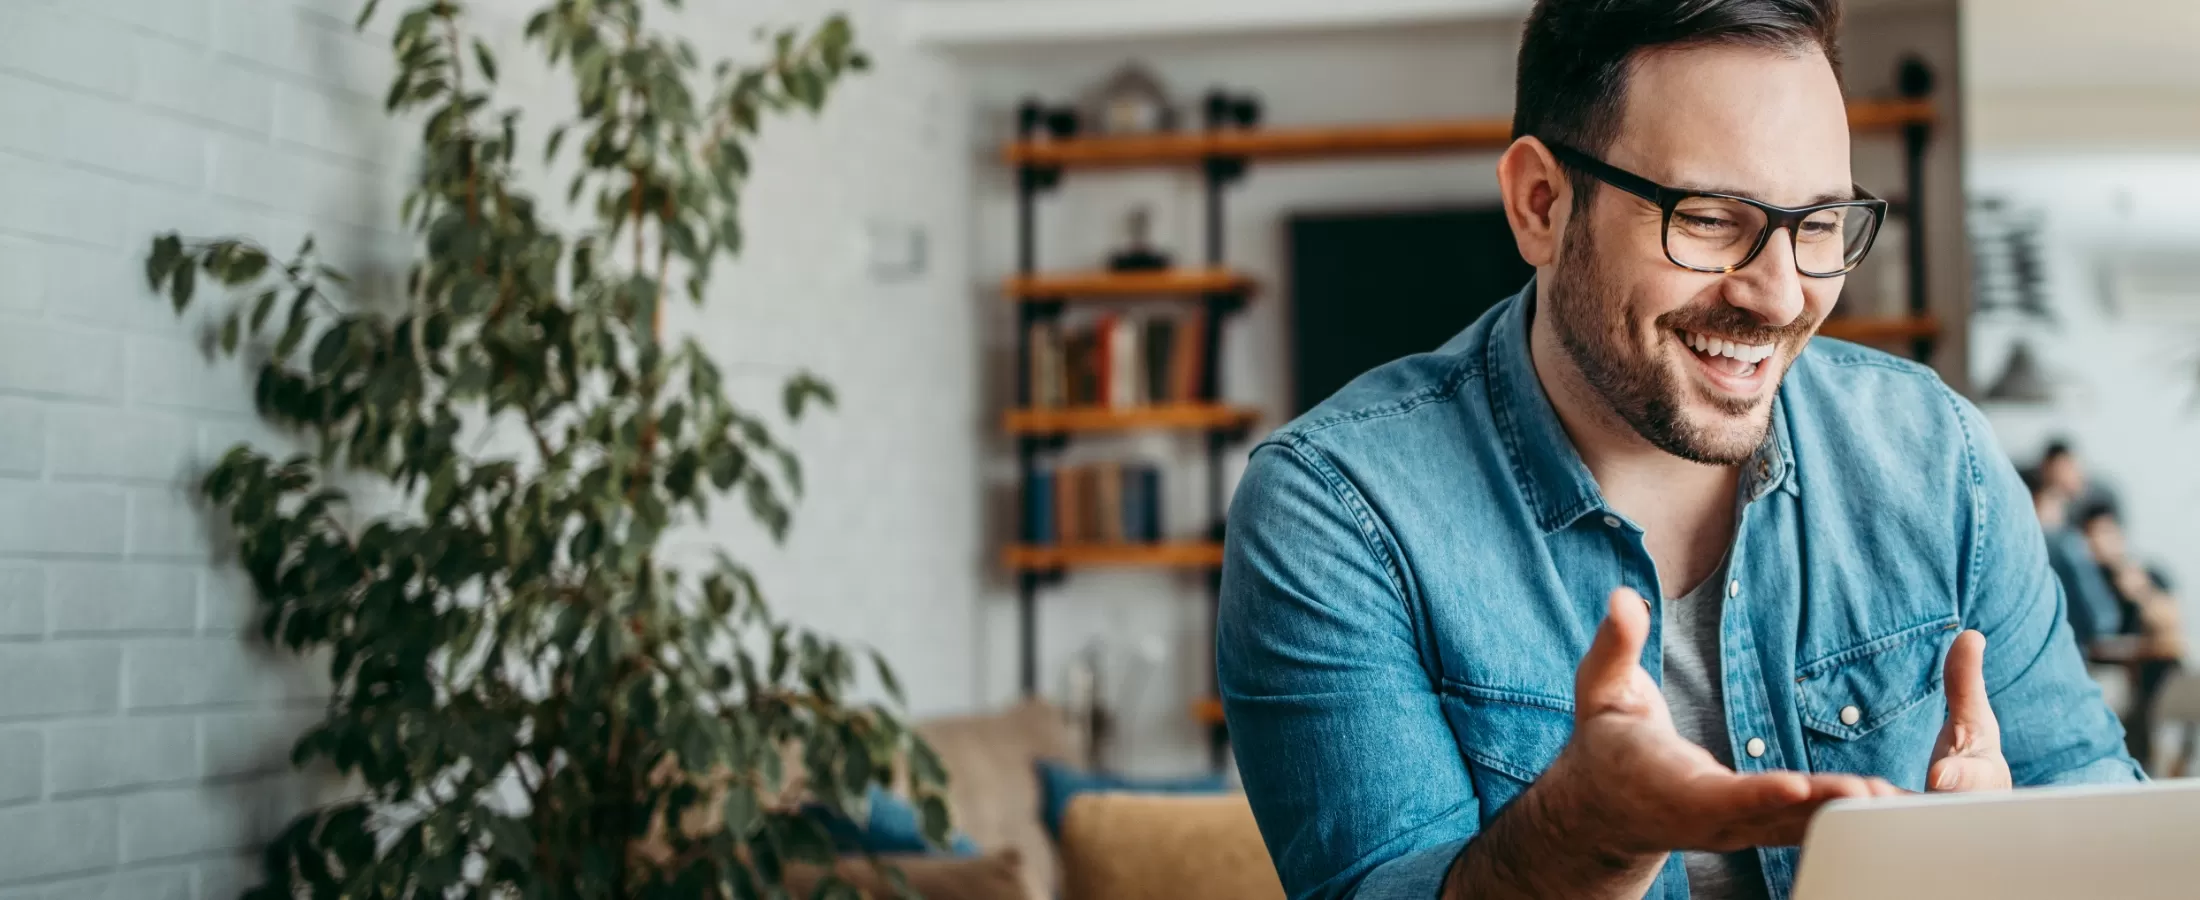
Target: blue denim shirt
(1415,566)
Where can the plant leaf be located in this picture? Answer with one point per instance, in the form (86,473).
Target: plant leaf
(886,677)
(487,61)
(261,307)
(180,286)
(804,388)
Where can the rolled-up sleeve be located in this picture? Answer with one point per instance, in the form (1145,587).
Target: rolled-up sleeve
(2055,728)
(1353,773)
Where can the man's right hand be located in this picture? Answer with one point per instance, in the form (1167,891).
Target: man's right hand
(1640,788)
(1628,789)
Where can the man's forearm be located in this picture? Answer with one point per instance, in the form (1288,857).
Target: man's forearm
(1541,845)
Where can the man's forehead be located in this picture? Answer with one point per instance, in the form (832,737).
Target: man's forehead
(1766,123)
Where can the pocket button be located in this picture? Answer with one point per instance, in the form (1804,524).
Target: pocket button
(1850,715)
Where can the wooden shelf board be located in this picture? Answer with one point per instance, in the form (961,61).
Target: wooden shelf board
(1164,283)
(1102,418)
(1179,554)
(1344,141)
(1207,711)
(1267,143)
(1880,329)
(1889,115)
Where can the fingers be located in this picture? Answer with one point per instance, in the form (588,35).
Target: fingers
(1968,773)
(1971,729)
(1606,678)
(1772,809)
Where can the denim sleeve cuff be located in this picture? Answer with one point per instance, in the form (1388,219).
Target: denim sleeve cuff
(1415,876)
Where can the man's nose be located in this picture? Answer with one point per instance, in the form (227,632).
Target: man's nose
(1769,286)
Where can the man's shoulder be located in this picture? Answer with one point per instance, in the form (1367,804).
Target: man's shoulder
(1876,412)
(1855,378)
(1396,399)
(1411,401)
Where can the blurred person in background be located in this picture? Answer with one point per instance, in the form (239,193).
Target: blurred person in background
(2066,475)
(2147,613)
(2090,603)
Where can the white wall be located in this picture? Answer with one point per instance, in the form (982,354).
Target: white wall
(1361,75)
(144,736)
(2112,74)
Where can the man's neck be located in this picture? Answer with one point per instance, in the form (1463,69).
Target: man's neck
(1686,509)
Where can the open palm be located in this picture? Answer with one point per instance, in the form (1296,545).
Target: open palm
(1657,787)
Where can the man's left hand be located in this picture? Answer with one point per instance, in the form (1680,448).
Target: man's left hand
(1968,754)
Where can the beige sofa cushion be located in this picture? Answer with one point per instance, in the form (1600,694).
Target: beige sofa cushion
(995,876)
(993,791)
(1161,847)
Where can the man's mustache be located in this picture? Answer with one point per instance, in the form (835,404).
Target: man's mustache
(1736,324)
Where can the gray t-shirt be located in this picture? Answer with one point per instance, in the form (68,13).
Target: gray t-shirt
(1697,696)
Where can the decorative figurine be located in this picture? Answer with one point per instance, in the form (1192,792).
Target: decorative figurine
(1139,255)
(1131,101)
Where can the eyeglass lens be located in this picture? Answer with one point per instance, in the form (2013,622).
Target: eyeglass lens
(1718,233)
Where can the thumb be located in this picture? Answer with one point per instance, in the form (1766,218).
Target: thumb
(1609,677)
(1972,728)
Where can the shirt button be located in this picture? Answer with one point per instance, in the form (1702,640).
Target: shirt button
(1611,521)
(1734,588)
(1755,748)
(1850,714)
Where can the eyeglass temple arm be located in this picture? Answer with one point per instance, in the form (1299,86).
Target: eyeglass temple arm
(1607,173)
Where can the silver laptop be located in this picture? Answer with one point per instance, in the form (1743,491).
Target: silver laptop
(2131,842)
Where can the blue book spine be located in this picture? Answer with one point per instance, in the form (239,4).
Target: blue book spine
(1134,513)
(1149,505)
(1039,509)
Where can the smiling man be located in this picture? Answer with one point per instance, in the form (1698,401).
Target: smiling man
(1606,595)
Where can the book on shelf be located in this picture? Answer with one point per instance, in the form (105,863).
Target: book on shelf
(1046,375)
(1039,521)
(1107,519)
(1099,503)
(1118,361)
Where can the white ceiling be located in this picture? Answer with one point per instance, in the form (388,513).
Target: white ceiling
(970,24)
(2081,44)
(978,24)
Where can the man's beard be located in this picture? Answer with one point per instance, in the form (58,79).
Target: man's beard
(1598,331)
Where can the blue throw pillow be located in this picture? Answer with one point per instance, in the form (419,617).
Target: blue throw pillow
(892,827)
(1059,784)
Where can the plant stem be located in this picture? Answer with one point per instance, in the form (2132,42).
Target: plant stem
(466,131)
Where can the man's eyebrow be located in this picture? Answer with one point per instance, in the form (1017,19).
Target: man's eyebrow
(1840,196)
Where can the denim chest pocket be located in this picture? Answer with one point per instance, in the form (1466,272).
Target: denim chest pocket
(1507,737)
(1876,708)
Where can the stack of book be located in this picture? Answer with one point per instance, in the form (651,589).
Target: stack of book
(1118,360)
(1102,503)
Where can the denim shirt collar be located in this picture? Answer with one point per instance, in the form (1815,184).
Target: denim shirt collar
(1550,473)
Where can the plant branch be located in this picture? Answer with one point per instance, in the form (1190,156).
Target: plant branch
(465,121)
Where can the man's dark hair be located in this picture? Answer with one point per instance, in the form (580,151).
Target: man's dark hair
(2056,449)
(2098,509)
(1575,56)
(2033,481)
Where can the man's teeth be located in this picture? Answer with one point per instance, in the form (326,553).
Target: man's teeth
(1711,346)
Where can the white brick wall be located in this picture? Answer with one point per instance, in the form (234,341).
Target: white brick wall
(144,732)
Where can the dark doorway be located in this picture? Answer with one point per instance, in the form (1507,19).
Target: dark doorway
(1370,287)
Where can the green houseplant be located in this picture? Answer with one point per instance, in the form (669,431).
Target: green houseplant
(533,701)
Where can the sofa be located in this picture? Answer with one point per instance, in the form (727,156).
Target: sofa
(1114,846)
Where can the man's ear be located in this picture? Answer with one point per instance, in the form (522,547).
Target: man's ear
(1537,198)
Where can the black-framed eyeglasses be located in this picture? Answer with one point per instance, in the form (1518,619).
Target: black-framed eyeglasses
(1713,232)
